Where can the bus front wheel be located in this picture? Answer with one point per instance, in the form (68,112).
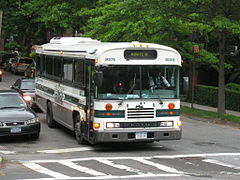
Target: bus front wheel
(78,132)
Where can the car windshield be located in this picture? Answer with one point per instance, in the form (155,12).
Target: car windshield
(28,85)
(26,61)
(11,100)
(133,82)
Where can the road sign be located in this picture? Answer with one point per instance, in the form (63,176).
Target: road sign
(196,48)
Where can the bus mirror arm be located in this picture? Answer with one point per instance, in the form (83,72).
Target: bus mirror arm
(98,78)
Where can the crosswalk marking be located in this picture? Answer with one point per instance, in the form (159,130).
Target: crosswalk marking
(213,161)
(82,169)
(43,170)
(159,166)
(120,166)
(75,164)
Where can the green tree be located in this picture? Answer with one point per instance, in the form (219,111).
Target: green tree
(180,24)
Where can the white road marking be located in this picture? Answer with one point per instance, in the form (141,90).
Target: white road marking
(213,161)
(111,177)
(8,152)
(80,168)
(159,166)
(120,166)
(43,170)
(149,157)
(171,172)
(57,151)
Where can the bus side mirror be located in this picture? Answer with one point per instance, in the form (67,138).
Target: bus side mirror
(98,78)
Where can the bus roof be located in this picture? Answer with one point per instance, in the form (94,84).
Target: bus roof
(108,52)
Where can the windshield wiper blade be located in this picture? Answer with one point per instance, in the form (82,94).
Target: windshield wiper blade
(7,107)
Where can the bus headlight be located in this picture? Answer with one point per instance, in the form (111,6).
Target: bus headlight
(166,124)
(113,125)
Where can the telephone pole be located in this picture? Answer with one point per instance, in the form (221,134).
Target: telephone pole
(1,14)
(1,41)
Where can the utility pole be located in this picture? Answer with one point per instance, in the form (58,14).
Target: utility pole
(1,44)
(195,51)
(1,14)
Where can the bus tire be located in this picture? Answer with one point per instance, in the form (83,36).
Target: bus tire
(77,130)
(49,117)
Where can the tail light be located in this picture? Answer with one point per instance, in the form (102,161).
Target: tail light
(19,64)
(1,72)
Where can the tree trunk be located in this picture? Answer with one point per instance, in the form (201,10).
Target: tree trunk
(221,79)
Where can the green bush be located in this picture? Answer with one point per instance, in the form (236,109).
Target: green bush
(208,95)
(233,86)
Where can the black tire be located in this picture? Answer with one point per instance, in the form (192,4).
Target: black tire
(0,79)
(77,130)
(35,136)
(49,116)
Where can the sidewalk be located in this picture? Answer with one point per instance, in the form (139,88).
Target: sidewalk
(207,108)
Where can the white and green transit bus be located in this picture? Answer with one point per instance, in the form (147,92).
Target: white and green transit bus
(110,91)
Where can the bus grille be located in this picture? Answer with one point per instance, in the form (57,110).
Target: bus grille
(144,113)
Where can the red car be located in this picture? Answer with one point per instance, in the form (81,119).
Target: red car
(21,64)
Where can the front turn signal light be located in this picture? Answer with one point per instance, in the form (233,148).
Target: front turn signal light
(179,123)
(96,125)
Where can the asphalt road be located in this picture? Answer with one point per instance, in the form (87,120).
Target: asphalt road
(206,151)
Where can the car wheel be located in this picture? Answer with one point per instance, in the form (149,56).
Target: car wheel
(35,136)
(78,133)
(0,79)
(49,117)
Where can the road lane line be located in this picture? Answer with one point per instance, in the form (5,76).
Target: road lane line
(57,151)
(43,170)
(112,177)
(81,168)
(8,152)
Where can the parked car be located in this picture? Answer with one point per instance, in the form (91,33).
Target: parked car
(16,117)
(30,70)
(1,74)
(25,87)
(21,64)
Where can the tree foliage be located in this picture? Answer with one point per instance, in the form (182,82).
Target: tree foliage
(214,25)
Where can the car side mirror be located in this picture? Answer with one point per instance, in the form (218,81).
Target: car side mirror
(98,78)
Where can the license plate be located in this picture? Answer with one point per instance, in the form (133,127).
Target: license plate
(141,135)
(16,130)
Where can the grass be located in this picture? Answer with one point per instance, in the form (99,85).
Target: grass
(208,114)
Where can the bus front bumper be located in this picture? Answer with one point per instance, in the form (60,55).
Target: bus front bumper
(133,136)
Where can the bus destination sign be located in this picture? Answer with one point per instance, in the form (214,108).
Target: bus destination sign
(140,54)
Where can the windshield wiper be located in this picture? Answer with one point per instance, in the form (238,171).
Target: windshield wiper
(7,107)
(134,84)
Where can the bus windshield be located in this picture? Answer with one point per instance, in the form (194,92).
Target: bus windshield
(134,82)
